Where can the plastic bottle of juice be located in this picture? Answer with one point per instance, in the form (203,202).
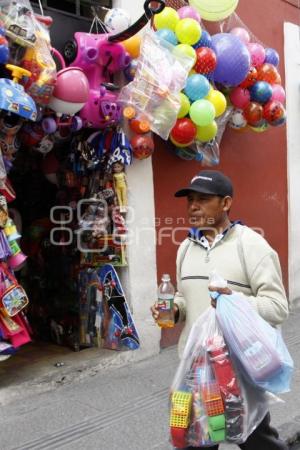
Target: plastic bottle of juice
(166,292)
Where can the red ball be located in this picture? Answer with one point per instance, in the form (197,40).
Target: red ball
(184,131)
(253,113)
(250,79)
(206,60)
(267,72)
(274,111)
(142,146)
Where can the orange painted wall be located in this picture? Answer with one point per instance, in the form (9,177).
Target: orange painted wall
(256,162)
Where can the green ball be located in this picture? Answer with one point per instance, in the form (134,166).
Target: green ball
(168,18)
(205,134)
(188,31)
(184,50)
(202,112)
(185,106)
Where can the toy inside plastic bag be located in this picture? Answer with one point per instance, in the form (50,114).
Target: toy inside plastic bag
(258,347)
(210,401)
(154,92)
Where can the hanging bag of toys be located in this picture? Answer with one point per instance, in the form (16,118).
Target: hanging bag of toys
(13,298)
(210,400)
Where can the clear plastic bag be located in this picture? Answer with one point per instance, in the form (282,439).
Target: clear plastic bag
(160,76)
(258,347)
(211,401)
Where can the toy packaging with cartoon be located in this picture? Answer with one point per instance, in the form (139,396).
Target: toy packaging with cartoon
(70,125)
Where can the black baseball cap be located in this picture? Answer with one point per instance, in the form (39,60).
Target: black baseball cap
(208,182)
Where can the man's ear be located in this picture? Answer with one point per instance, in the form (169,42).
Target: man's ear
(227,202)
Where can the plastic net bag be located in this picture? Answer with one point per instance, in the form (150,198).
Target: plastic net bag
(210,400)
(161,74)
(258,348)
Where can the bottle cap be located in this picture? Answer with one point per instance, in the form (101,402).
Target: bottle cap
(165,277)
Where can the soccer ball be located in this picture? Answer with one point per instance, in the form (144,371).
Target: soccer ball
(117,20)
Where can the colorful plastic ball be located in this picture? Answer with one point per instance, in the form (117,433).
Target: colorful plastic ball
(278,93)
(184,131)
(117,20)
(233,59)
(253,114)
(202,112)
(204,41)
(268,72)
(197,87)
(205,134)
(257,54)
(184,50)
(133,46)
(272,57)
(130,70)
(206,60)
(177,144)
(187,12)
(261,92)
(239,97)
(218,100)
(250,79)
(142,146)
(237,120)
(184,106)
(274,113)
(168,18)
(214,10)
(188,31)
(167,35)
(241,33)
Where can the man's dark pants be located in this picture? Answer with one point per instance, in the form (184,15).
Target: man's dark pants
(263,438)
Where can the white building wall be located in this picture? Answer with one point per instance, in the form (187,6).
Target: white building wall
(292,72)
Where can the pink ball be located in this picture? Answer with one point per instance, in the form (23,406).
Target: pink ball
(242,34)
(187,12)
(257,54)
(240,97)
(278,93)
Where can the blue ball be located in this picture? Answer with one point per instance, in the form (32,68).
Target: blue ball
(204,41)
(167,35)
(197,87)
(261,92)
(272,57)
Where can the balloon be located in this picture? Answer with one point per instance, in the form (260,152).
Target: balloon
(184,106)
(274,113)
(237,120)
(218,100)
(167,35)
(214,10)
(233,59)
(205,134)
(241,33)
(142,146)
(117,20)
(253,114)
(261,92)
(184,131)
(240,97)
(278,93)
(187,12)
(130,70)
(250,79)
(268,72)
(133,46)
(205,40)
(185,50)
(257,54)
(272,57)
(206,60)
(197,87)
(168,18)
(188,31)
(202,112)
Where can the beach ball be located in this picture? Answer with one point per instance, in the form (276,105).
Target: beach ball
(274,113)
(184,131)
(206,60)
(261,92)
(202,112)
(250,79)
(257,54)
(268,72)
(233,59)
(207,133)
(167,35)
(278,93)
(184,105)
(272,57)
(214,10)
(204,41)
(188,31)
(167,18)
(237,119)
(218,100)
(197,87)
(241,33)
(253,113)
(187,12)
(117,20)
(239,97)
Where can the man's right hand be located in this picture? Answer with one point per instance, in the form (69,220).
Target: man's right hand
(155,311)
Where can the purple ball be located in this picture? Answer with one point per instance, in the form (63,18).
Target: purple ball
(233,59)
(188,12)
(272,57)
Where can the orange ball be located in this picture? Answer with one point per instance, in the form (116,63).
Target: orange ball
(133,46)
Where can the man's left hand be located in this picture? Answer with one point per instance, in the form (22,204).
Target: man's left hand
(224,291)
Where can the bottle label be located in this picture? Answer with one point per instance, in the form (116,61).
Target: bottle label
(165,302)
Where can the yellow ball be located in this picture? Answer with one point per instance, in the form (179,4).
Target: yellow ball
(218,100)
(184,50)
(205,134)
(168,18)
(133,46)
(188,31)
(185,105)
